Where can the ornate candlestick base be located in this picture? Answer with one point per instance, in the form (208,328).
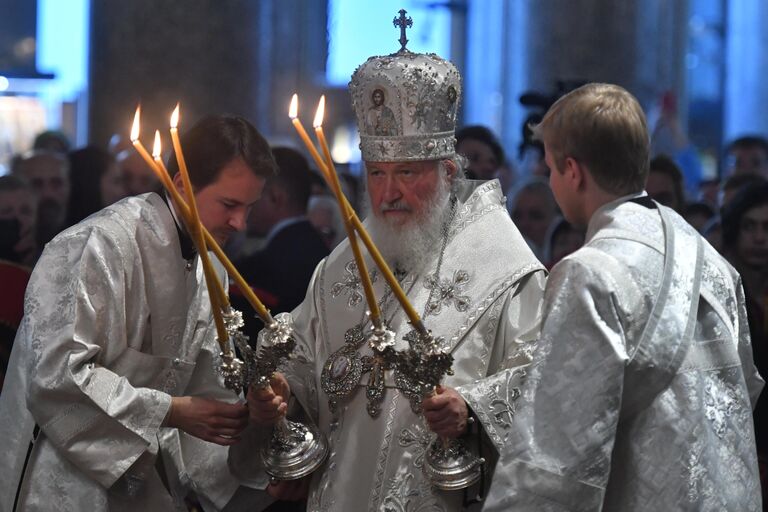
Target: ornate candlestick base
(450,466)
(294,450)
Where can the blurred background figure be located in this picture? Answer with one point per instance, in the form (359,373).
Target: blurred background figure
(137,177)
(118,143)
(665,183)
(709,192)
(533,210)
(483,152)
(280,272)
(18,251)
(713,232)
(747,155)
(48,174)
(670,138)
(95,181)
(52,140)
(563,238)
(735,184)
(698,215)
(745,243)
(351,186)
(18,218)
(323,213)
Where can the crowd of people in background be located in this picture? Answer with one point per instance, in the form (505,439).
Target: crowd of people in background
(296,222)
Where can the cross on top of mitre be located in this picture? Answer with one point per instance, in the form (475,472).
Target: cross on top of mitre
(403,22)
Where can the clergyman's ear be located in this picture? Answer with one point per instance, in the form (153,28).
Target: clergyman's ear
(450,168)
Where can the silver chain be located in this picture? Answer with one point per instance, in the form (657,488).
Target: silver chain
(445,230)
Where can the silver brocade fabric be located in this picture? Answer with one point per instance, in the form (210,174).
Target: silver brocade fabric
(114,326)
(582,440)
(489,319)
(406,106)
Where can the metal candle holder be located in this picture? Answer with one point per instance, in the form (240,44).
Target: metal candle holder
(448,463)
(294,449)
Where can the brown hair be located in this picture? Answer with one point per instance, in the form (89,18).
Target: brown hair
(215,141)
(603,127)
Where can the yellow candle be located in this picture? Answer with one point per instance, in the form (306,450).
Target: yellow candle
(194,227)
(394,285)
(370,296)
(184,212)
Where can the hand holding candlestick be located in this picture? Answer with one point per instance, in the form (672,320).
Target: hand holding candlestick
(294,449)
(448,463)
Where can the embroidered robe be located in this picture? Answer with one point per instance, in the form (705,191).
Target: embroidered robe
(115,325)
(487,309)
(640,394)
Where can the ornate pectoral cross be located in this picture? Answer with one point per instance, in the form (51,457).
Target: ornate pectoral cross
(402,22)
(376,365)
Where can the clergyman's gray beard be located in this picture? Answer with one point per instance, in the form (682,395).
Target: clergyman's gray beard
(411,246)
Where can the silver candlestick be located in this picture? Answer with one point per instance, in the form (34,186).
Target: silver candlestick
(294,449)
(234,370)
(448,463)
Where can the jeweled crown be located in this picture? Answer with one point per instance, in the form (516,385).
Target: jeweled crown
(406,104)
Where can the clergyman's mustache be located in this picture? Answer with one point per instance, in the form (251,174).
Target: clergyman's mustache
(394,207)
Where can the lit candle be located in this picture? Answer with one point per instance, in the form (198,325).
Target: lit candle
(137,143)
(195,228)
(370,296)
(394,285)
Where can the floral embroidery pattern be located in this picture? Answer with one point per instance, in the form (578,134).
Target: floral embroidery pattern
(351,285)
(418,438)
(406,494)
(448,292)
(720,402)
(503,397)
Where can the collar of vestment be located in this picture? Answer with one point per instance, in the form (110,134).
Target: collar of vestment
(639,203)
(187,246)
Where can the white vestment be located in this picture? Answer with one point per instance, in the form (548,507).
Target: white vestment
(640,394)
(486,305)
(116,323)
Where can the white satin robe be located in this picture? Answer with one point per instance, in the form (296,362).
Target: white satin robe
(115,325)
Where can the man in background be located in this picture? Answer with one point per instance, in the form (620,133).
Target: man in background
(280,272)
(48,174)
(138,178)
(747,155)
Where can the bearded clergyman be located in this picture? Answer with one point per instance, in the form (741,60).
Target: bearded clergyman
(465,268)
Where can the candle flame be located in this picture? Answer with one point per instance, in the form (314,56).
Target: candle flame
(135,127)
(293,110)
(157,150)
(320,113)
(175,117)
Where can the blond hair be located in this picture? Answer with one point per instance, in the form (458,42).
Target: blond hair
(603,127)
